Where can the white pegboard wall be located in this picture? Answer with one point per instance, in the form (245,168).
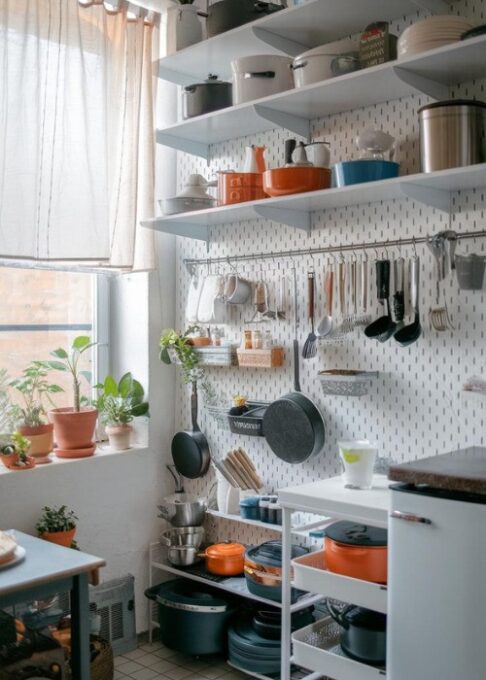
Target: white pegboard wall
(414,409)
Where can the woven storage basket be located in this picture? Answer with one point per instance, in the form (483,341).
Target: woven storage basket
(102,666)
(261,358)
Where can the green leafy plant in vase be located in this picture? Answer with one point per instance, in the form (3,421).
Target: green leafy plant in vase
(31,415)
(74,426)
(57,525)
(119,403)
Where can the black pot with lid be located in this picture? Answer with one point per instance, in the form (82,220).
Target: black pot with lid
(193,618)
(211,95)
(364,633)
(227,14)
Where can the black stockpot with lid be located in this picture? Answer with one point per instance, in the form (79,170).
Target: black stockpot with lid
(227,14)
(193,618)
(211,95)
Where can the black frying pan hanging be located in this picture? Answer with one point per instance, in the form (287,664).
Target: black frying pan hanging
(190,450)
(293,425)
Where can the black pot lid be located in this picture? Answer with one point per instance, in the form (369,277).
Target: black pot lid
(365,618)
(270,553)
(182,591)
(351,533)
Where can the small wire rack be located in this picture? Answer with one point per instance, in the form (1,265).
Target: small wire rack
(345,383)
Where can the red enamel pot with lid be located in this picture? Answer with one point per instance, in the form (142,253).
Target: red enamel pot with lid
(357,550)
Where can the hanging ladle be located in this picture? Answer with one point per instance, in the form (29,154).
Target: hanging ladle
(384,327)
(411,333)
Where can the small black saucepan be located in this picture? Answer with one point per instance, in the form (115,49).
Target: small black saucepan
(364,633)
(190,449)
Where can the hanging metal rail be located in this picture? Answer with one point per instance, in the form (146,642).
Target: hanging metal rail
(371,245)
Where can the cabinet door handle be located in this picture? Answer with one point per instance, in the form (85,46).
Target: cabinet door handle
(409,517)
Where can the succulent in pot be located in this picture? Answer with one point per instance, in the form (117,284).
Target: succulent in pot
(30,415)
(74,426)
(119,403)
(14,454)
(57,525)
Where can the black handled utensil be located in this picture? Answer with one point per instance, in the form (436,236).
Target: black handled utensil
(383,328)
(411,333)
(310,346)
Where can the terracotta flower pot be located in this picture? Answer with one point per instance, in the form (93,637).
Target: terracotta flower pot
(41,441)
(74,431)
(27,466)
(119,436)
(8,459)
(64,538)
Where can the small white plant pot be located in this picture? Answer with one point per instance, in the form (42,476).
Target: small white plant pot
(119,436)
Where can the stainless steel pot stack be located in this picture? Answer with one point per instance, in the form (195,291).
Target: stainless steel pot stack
(186,514)
(452,134)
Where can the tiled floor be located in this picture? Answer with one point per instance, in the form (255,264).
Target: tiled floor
(156,662)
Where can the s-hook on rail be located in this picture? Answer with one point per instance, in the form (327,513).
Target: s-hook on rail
(371,245)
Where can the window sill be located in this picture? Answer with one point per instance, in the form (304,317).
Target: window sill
(102,452)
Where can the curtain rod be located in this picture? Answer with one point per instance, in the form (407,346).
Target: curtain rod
(372,245)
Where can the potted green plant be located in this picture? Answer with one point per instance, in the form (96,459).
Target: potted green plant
(14,454)
(119,403)
(177,348)
(30,415)
(57,525)
(74,426)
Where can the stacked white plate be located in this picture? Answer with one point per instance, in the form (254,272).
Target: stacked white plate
(435,31)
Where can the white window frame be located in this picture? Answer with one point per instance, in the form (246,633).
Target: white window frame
(101,328)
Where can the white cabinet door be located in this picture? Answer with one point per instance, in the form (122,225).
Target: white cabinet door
(437,590)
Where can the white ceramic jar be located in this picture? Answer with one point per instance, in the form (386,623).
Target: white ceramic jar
(259,76)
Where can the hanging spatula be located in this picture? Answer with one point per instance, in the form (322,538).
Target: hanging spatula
(310,346)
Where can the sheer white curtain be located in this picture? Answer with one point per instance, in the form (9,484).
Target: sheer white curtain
(76,134)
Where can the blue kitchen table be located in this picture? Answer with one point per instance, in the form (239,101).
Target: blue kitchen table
(48,569)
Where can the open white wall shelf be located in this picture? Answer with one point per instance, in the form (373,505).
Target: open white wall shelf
(290,31)
(431,73)
(433,189)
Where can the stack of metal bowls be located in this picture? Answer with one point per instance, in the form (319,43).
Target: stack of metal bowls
(183,544)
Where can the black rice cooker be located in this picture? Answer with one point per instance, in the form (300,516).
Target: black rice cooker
(193,618)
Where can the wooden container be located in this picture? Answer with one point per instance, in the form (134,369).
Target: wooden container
(261,358)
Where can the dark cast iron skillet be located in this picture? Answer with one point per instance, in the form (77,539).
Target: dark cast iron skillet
(293,425)
(190,450)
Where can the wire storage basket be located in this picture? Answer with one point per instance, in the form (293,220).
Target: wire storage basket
(346,383)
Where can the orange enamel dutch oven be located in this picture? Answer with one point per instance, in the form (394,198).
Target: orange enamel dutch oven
(295,179)
(225,559)
(356,550)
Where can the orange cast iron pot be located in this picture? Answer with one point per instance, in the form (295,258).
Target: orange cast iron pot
(295,180)
(225,559)
(368,563)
